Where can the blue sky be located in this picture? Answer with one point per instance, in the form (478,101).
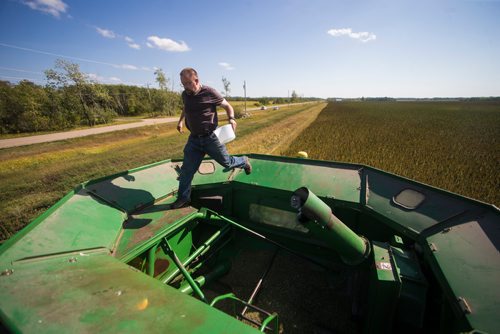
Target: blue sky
(317,48)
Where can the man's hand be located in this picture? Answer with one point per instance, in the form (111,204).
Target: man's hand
(233,124)
(179,127)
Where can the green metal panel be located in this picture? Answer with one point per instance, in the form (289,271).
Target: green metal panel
(466,260)
(352,248)
(338,181)
(270,215)
(437,206)
(384,289)
(99,294)
(137,188)
(219,175)
(82,222)
(140,227)
(397,291)
(412,298)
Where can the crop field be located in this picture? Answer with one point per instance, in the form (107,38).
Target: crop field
(450,145)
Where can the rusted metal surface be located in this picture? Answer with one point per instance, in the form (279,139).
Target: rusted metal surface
(141,227)
(276,217)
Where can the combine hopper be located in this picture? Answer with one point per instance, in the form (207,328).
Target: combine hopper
(298,246)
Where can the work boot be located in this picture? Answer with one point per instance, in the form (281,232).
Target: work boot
(179,203)
(248,166)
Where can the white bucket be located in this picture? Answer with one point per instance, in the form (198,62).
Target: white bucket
(225,133)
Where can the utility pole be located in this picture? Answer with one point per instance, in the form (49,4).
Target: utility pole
(245,90)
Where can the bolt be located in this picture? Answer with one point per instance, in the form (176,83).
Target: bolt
(7,272)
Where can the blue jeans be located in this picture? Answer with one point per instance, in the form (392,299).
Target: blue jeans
(194,151)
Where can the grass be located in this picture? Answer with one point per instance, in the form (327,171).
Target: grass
(241,104)
(117,121)
(271,135)
(450,145)
(32,178)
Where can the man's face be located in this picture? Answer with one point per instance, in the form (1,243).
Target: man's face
(190,82)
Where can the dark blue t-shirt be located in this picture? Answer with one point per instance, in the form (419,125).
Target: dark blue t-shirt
(200,110)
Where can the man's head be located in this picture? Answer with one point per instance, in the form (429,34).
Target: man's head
(189,80)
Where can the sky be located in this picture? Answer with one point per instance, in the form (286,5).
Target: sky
(316,48)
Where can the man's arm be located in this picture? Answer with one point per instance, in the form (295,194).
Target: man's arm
(230,113)
(179,124)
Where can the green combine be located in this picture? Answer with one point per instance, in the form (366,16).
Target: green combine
(298,246)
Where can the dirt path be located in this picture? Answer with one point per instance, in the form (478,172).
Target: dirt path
(22,141)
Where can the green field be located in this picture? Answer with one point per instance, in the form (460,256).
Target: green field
(450,145)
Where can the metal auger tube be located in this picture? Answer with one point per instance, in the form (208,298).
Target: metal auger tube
(353,249)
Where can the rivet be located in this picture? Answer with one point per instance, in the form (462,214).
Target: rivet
(7,272)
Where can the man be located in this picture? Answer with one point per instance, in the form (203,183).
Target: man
(200,115)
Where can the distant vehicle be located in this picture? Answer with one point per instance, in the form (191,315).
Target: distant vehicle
(276,108)
(263,108)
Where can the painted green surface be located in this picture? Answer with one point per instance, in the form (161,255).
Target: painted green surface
(99,294)
(337,181)
(436,207)
(385,286)
(413,295)
(154,220)
(88,227)
(81,223)
(352,249)
(137,188)
(467,256)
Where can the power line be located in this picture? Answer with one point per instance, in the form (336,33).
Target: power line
(70,57)
(18,70)
(19,78)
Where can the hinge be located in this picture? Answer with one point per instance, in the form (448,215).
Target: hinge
(433,247)
(464,306)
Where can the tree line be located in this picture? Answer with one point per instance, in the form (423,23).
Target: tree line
(70,98)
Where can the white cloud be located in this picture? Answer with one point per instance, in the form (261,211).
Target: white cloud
(145,68)
(105,33)
(134,46)
(167,44)
(52,7)
(129,40)
(127,67)
(362,36)
(226,66)
(100,79)
(95,77)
